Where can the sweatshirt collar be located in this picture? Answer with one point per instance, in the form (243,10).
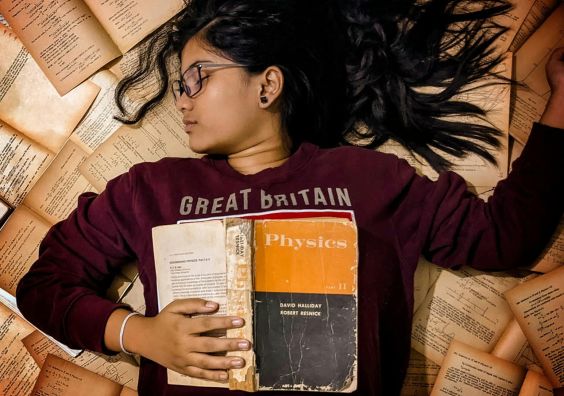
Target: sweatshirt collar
(295,162)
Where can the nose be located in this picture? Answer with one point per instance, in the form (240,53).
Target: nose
(184,102)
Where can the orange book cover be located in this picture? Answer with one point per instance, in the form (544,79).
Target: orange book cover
(305,304)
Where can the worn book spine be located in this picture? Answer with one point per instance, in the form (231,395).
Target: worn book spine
(239,261)
(306,305)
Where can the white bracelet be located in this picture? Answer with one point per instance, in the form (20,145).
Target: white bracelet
(122,330)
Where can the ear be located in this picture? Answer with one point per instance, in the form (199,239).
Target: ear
(271,85)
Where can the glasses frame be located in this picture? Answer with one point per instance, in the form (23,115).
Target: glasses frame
(179,87)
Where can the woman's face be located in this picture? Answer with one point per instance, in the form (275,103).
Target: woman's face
(224,117)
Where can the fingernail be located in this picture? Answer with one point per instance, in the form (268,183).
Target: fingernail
(211,304)
(243,345)
(237,363)
(237,322)
(223,376)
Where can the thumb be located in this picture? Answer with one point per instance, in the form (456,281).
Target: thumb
(189,306)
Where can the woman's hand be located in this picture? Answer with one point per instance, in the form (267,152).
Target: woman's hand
(173,339)
(554,112)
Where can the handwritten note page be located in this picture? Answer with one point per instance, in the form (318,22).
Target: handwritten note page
(466,305)
(469,371)
(538,305)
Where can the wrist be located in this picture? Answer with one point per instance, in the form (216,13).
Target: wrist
(133,336)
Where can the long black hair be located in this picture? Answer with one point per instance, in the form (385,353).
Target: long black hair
(353,69)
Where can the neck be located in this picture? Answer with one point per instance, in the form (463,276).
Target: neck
(267,154)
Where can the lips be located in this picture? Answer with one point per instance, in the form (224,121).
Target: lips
(188,125)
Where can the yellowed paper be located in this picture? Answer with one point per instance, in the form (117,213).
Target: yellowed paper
(59,377)
(119,368)
(190,262)
(552,256)
(63,36)
(538,12)
(160,135)
(535,384)
(19,244)
(475,170)
(128,22)
(28,101)
(530,63)
(18,371)
(134,297)
(469,371)
(98,124)
(513,19)
(514,347)
(420,377)
(21,164)
(466,305)
(538,307)
(56,193)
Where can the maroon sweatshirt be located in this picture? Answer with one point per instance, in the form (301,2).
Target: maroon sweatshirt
(399,216)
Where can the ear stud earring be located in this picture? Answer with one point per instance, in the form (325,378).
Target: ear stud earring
(263,99)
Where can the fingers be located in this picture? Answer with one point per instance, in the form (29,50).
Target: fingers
(202,324)
(189,306)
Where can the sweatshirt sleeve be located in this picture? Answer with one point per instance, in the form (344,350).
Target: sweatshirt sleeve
(453,227)
(63,292)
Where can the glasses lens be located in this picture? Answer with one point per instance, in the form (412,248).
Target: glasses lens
(192,81)
(177,89)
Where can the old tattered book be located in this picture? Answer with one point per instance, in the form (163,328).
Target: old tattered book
(292,280)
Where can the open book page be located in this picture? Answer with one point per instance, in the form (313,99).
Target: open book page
(190,262)
(120,368)
(530,62)
(56,193)
(538,12)
(98,123)
(161,134)
(513,19)
(128,22)
(537,305)
(63,36)
(22,162)
(134,297)
(18,371)
(535,384)
(475,170)
(420,377)
(28,101)
(425,275)
(59,377)
(465,305)
(469,371)
(552,256)
(19,244)
(514,347)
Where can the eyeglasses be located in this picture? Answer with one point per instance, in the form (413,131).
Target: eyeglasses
(191,82)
